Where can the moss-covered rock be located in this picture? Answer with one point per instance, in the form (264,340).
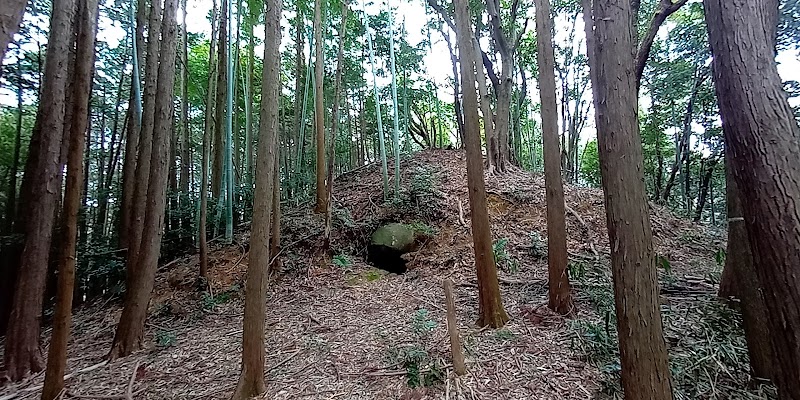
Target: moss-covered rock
(388,245)
(396,236)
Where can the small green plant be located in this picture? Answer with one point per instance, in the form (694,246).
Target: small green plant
(576,270)
(342,261)
(538,247)
(209,302)
(422,323)
(423,228)
(501,256)
(421,369)
(165,339)
(663,263)
(719,256)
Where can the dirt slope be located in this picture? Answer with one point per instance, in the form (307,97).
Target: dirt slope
(338,328)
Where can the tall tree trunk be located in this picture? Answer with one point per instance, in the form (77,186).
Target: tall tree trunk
(82,86)
(22,352)
(130,162)
(299,100)
(379,119)
(395,114)
(459,115)
(130,329)
(560,299)
(764,141)
(9,267)
(104,190)
(704,187)
(337,94)
(218,159)
(11,194)
(251,381)
(319,109)
(643,353)
(740,266)
(490,305)
(492,145)
(202,239)
(248,105)
(685,138)
(186,140)
(139,201)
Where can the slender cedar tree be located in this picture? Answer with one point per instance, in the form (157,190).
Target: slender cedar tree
(319,108)
(643,352)
(560,299)
(490,305)
(251,381)
(82,87)
(41,182)
(764,144)
(130,329)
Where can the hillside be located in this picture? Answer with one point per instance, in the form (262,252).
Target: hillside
(339,328)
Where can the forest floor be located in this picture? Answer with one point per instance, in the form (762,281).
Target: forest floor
(338,328)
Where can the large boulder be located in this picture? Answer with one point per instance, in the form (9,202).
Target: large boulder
(388,244)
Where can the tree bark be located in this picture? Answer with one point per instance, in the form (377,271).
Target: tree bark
(490,133)
(186,139)
(145,151)
(643,354)
(22,352)
(740,265)
(764,141)
(218,159)
(130,329)
(319,108)
(560,296)
(104,178)
(130,161)
(209,124)
(335,128)
(251,381)
(82,86)
(490,305)
(704,187)
(11,194)
(11,13)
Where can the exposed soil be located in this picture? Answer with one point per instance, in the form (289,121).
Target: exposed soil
(339,328)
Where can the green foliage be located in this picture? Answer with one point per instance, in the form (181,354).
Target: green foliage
(590,164)
(422,323)
(576,270)
(165,338)
(209,302)
(420,197)
(421,369)
(342,261)
(663,263)
(719,257)
(501,256)
(423,228)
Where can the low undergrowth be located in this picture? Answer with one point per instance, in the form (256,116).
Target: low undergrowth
(707,349)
